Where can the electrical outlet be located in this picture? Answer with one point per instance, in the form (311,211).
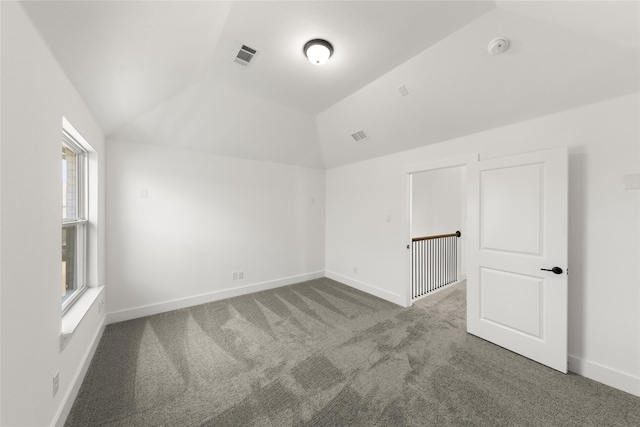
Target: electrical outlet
(235,275)
(355,270)
(241,275)
(56,383)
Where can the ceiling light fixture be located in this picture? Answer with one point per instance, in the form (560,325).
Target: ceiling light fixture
(318,51)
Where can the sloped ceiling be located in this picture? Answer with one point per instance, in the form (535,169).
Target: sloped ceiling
(162,72)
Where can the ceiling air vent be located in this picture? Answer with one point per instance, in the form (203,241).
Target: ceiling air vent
(403,90)
(359,136)
(246,55)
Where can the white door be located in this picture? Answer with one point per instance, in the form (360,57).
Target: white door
(517,233)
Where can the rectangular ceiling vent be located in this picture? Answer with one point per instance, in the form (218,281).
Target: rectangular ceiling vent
(403,90)
(359,136)
(246,55)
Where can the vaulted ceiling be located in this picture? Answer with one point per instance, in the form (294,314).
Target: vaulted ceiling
(163,72)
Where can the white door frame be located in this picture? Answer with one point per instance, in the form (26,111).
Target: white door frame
(450,162)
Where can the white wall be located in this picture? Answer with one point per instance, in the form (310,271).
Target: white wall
(436,202)
(604,314)
(205,217)
(35,96)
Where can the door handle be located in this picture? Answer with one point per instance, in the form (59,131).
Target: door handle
(556,270)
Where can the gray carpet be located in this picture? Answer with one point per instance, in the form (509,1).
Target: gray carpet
(322,354)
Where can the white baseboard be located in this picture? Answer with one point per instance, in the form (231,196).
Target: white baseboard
(148,310)
(365,287)
(76,382)
(605,375)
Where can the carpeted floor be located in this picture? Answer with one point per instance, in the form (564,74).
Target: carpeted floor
(322,354)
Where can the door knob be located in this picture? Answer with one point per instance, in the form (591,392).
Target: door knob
(556,270)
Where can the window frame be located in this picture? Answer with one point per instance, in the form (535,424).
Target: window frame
(80,222)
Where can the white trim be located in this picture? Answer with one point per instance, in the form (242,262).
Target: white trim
(151,309)
(75,135)
(605,375)
(370,289)
(67,401)
(447,163)
(72,317)
(74,222)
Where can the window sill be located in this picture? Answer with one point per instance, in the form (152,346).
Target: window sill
(74,315)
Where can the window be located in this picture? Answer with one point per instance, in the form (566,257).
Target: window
(74,219)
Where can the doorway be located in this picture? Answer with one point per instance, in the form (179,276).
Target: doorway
(516,252)
(437,228)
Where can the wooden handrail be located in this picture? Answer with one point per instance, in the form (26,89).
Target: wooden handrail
(417,239)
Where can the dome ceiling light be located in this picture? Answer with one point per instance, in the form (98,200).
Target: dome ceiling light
(318,51)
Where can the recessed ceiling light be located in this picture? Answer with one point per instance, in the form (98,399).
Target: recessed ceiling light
(318,51)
